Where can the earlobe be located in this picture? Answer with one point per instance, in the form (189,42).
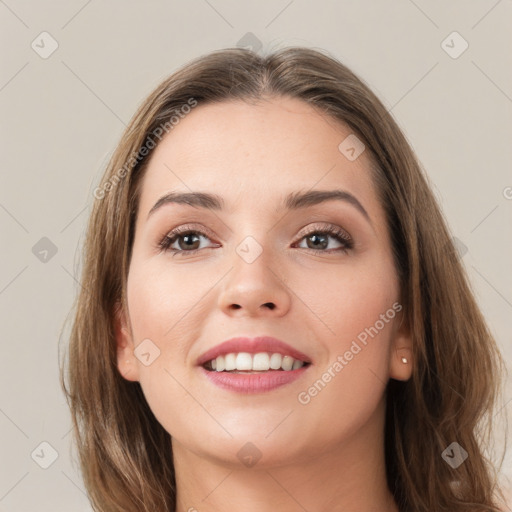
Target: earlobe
(126,361)
(401,364)
(401,361)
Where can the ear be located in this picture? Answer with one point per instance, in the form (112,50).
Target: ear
(126,360)
(400,361)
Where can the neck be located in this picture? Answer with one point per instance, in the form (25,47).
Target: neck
(348,477)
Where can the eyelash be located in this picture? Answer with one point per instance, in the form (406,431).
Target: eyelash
(165,244)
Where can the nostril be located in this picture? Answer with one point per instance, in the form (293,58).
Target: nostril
(270,305)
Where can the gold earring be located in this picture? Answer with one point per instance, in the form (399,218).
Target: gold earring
(404,360)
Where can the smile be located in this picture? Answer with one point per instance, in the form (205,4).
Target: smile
(260,362)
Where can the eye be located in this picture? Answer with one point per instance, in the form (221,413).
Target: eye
(183,240)
(186,240)
(318,240)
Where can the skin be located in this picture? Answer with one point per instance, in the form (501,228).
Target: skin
(327,454)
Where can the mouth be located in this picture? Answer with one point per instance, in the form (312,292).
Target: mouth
(261,362)
(253,365)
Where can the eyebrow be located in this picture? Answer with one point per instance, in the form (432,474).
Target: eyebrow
(293,201)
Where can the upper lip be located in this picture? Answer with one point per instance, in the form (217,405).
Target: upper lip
(252,346)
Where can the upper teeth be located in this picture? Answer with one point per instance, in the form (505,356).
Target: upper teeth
(261,361)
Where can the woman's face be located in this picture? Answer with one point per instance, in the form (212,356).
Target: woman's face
(256,266)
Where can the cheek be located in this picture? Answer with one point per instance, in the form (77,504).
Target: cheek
(168,307)
(163,298)
(357,312)
(347,300)
(348,387)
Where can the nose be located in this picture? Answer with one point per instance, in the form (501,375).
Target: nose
(255,289)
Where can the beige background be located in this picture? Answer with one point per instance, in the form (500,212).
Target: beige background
(62,116)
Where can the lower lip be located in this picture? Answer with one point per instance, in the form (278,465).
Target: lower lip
(254,382)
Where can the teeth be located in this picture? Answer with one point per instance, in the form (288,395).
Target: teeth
(230,362)
(243,361)
(219,367)
(275,361)
(262,362)
(287,363)
(297,364)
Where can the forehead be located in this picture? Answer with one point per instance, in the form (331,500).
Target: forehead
(254,154)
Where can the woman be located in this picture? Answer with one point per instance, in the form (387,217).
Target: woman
(274,316)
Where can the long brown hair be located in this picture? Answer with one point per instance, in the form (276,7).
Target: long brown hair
(126,455)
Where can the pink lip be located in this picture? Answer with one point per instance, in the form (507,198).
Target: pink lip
(253,382)
(253,346)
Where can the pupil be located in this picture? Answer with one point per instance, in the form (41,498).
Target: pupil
(188,237)
(316,238)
